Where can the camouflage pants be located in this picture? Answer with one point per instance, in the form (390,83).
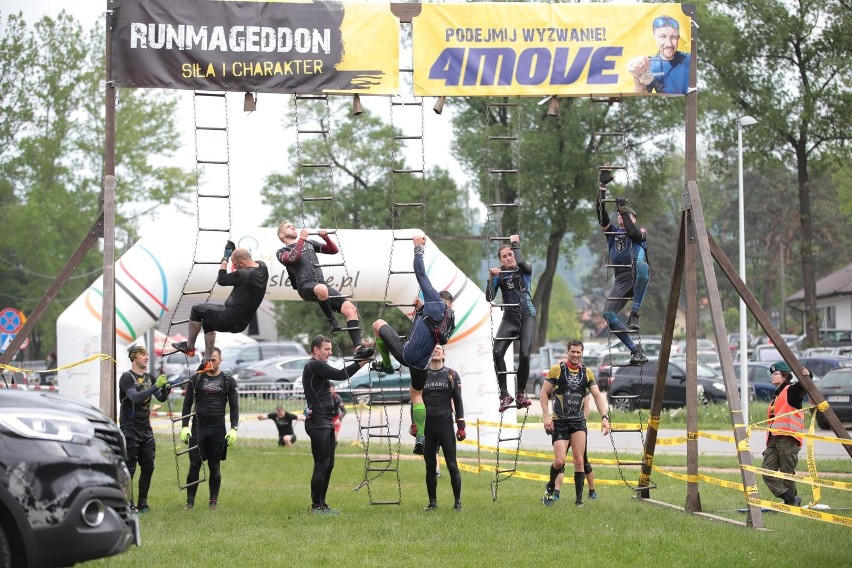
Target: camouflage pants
(781,454)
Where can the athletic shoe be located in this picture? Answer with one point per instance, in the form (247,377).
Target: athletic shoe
(184,348)
(326,510)
(637,357)
(578,503)
(419,444)
(143,507)
(189,506)
(549,499)
(437,474)
(432,506)
(457,506)
(797,501)
(333,325)
(506,401)
(364,353)
(522,400)
(213,505)
(204,367)
(315,510)
(593,495)
(633,321)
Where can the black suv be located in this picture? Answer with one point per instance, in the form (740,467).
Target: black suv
(63,482)
(625,392)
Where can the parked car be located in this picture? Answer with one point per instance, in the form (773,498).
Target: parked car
(845,351)
(835,337)
(819,366)
(734,341)
(177,364)
(702,345)
(237,357)
(759,379)
(63,482)
(370,387)
(836,387)
(765,352)
(276,370)
(632,386)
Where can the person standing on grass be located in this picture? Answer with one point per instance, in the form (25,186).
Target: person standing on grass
(209,392)
(587,467)
(135,389)
(319,425)
(787,418)
(442,392)
(340,412)
(284,422)
(569,382)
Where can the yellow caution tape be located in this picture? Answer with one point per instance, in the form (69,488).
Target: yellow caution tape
(809,452)
(822,482)
(801,512)
(806,435)
(743,446)
(88,359)
(717,437)
(654,422)
(672,441)
(822,406)
(692,435)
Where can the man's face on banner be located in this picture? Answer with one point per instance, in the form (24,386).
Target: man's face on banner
(667,39)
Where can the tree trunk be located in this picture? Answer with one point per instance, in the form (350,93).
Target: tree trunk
(806,247)
(541,298)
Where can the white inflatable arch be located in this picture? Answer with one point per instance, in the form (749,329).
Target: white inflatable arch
(150,276)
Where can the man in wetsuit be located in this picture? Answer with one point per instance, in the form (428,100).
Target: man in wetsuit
(209,392)
(416,353)
(569,382)
(628,253)
(249,280)
(135,389)
(299,256)
(441,393)
(284,422)
(514,280)
(316,379)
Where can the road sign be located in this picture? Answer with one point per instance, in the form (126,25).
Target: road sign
(6,341)
(11,320)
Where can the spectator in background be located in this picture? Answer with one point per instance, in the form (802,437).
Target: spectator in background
(284,422)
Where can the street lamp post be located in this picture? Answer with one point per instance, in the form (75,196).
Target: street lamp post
(741,123)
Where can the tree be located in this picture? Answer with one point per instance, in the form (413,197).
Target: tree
(558,159)
(789,65)
(361,149)
(563,322)
(51,161)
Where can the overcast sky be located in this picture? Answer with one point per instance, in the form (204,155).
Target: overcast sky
(258,140)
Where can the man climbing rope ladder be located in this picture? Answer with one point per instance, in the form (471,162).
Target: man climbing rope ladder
(249,281)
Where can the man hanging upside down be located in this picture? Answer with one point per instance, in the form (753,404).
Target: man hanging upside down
(299,256)
(416,353)
(249,280)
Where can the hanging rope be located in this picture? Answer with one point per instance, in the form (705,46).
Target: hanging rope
(503,158)
(606,157)
(205,224)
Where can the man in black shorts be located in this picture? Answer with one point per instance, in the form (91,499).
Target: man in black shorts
(316,380)
(569,383)
(135,389)
(299,256)
(441,393)
(416,352)
(284,422)
(249,280)
(210,392)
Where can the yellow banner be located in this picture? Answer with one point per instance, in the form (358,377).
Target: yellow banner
(551,49)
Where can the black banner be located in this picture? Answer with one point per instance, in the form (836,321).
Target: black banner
(241,46)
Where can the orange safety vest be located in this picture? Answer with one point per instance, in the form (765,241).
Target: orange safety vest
(792,422)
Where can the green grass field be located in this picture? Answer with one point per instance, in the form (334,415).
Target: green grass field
(262,520)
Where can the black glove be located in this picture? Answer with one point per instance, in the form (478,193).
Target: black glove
(461,435)
(605,177)
(229,248)
(621,202)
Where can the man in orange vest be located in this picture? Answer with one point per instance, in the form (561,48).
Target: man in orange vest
(782,449)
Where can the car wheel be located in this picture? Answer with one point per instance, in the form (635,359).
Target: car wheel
(618,401)
(363,399)
(536,389)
